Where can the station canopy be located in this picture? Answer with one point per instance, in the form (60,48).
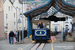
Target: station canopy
(59,5)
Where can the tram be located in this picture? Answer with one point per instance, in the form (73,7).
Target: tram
(41,34)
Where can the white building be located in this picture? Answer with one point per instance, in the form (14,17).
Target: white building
(11,15)
(62,24)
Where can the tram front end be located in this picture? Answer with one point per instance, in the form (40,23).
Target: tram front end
(41,34)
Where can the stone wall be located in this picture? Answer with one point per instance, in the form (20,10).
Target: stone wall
(2,35)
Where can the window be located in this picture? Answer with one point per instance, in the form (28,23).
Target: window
(14,24)
(9,8)
(14,15)
(6,16)
(56,27)
(19,9)
(3,1)
(6,24)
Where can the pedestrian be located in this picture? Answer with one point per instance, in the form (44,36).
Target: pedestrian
(15,34)
(11,37)
(15,40)
(66,31)
(40,25)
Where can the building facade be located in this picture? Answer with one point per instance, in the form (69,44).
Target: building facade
(2,34)
(12,14)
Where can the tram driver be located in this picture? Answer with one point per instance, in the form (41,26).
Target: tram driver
(40,25)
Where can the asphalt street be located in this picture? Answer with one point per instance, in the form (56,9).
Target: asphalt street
(4,45)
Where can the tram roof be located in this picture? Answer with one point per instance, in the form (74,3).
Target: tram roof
(62,7)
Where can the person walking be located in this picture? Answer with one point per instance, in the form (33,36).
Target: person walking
(11,36)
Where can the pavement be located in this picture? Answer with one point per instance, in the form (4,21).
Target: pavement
(4,45)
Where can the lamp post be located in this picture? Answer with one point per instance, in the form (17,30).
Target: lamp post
(22,2)
(19,22)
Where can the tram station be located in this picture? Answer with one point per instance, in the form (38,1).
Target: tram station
(49,27)
(43,13)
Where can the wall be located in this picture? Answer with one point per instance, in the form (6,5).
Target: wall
(2,35)
(10,13)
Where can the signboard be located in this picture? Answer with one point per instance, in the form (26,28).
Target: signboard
(40,32)
(19,21)
(6,27)
(53,38)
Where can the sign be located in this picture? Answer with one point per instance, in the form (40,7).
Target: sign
(40,32)
(6,27)
(53,38)
(19,21)
(19,24)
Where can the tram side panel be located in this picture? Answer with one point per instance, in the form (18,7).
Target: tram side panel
(40,34)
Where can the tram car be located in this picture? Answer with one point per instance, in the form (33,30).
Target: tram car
(41,34)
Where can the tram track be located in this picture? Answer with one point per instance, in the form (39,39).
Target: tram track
(38,46)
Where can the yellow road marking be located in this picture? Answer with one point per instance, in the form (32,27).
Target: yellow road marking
(24,47)
(20,48)
(33,41)
(52,45)
(27,45)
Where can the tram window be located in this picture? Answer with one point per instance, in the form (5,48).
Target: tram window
(34,25)
(47,26)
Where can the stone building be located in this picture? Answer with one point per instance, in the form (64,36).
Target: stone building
(2,35)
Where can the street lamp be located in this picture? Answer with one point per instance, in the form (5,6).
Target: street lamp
(12,1)
(22,2)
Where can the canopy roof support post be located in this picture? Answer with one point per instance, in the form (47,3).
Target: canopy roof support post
(56,4)
(29,26)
